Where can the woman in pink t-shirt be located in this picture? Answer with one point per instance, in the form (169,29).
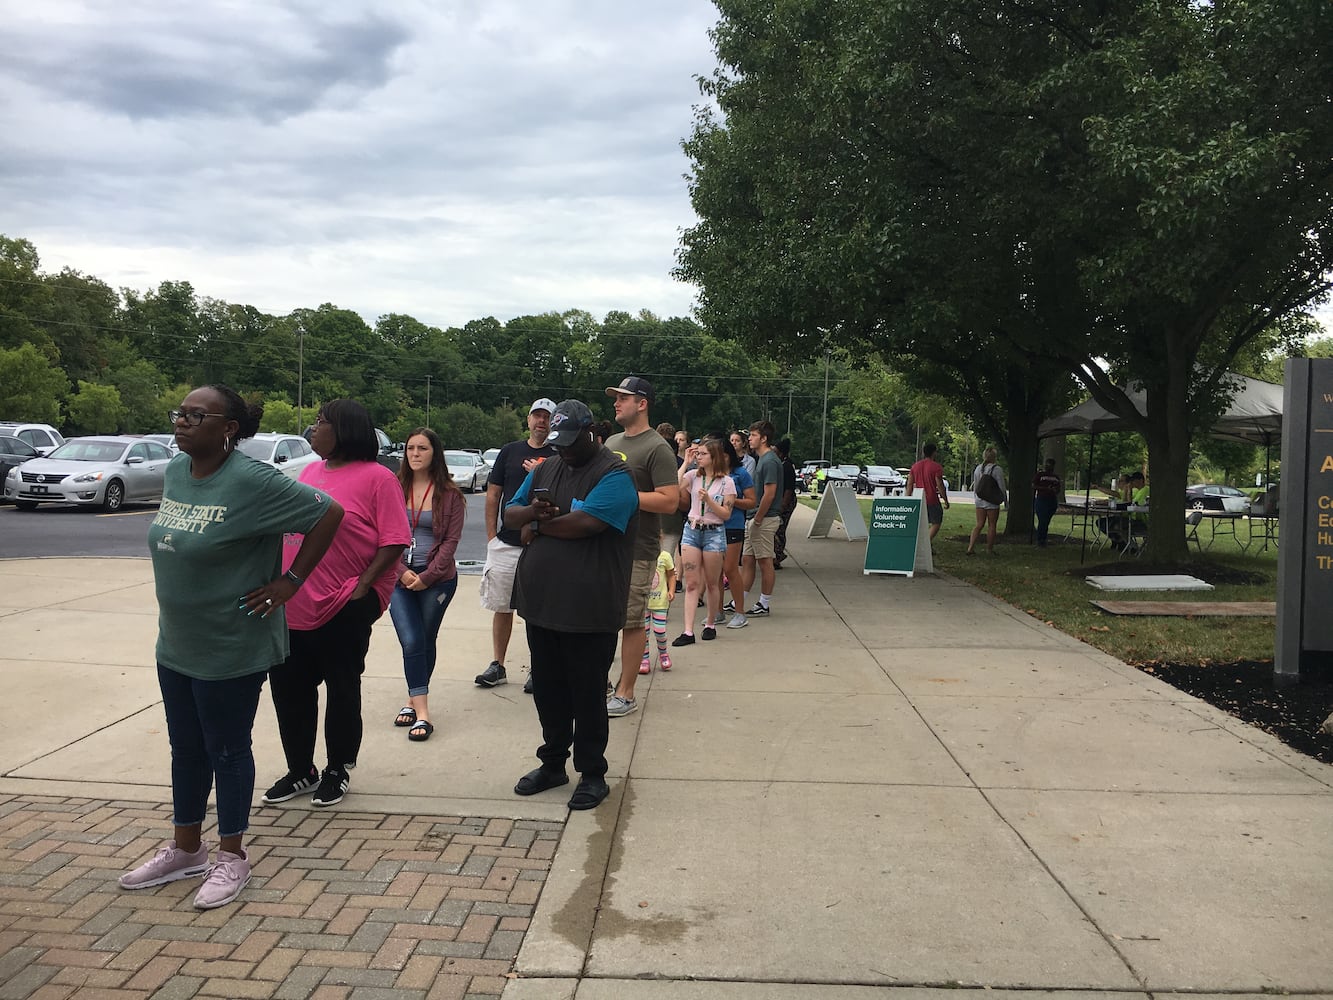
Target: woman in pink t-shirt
(709,494)
(330,616)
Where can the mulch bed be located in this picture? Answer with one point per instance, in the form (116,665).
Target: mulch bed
(1245,689)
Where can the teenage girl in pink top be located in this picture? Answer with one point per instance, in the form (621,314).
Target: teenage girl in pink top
(709,494)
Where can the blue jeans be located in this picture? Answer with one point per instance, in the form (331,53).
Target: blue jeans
(209,725)
(417,615)
(1044,508)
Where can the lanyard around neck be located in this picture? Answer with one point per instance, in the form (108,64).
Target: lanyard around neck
(412,506)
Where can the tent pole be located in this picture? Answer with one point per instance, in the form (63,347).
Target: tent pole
(1087,499)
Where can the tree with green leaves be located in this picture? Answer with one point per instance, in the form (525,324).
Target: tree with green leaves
(96,409)
(1124,191)
(31,387)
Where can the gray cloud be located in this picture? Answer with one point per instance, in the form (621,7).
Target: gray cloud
(500,157)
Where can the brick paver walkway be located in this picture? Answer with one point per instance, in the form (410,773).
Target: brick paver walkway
(342,906)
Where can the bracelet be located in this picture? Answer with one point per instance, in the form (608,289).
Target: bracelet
(290,575)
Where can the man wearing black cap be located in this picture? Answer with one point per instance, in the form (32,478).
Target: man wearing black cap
(652,463)
(577,519)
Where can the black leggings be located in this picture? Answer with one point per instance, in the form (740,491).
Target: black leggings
(334,654)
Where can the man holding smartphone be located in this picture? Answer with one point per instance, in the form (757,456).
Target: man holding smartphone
(503,546)
(578,517)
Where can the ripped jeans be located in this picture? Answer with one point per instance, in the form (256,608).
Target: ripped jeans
(417,615)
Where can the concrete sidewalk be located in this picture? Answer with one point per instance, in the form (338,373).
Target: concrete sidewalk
(889,783)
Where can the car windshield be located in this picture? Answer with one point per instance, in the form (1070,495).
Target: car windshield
(89,451)
(880,470)
(459,458)
(262,450)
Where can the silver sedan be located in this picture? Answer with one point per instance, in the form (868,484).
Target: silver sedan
(101,472)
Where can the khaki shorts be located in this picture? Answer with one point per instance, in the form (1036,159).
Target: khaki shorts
(497,579)
(640,583)
(759,540)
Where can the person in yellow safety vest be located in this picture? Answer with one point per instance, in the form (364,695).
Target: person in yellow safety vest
(821,475)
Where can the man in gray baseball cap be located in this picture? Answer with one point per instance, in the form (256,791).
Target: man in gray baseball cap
(511,467)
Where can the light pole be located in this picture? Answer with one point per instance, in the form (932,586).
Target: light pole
(823,427)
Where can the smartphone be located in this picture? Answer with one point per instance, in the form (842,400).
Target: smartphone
(541,493)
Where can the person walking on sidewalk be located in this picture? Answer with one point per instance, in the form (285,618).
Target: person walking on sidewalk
(927,475)
(218,535)
(988,511)
(578,517)
(329,619)
(428,577)
(759,533)
(512,466)
(653,466)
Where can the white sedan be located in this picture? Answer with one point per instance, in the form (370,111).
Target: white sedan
(288,452)
(469,470)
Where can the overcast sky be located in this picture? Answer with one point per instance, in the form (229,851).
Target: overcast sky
(450,159)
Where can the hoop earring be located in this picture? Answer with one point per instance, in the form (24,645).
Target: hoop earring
(226,445)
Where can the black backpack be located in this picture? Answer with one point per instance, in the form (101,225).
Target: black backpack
(987,487)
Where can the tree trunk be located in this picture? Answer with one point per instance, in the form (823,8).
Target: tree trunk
(1168,436)
(1022,463)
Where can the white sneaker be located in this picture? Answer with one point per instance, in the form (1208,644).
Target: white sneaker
(738,620)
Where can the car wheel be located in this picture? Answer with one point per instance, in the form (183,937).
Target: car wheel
(114,499)
(26,504)
(1199,505)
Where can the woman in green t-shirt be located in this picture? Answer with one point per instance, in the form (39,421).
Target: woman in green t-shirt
(216,546)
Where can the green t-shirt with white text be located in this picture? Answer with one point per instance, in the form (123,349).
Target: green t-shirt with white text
(213,541)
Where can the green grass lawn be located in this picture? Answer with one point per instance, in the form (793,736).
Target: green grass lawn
(1048,584)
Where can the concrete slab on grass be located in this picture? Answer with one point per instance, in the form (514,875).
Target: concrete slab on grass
(1163,582)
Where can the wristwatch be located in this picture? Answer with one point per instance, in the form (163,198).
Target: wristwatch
(289,575)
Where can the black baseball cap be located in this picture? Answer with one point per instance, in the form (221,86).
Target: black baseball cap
(570,417)
(632,386)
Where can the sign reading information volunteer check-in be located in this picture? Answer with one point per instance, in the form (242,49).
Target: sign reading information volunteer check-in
(899,537)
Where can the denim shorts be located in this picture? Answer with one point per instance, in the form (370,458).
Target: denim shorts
(710,539)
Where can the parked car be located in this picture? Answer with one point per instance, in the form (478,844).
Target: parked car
(91,471)
(879,476)
(1220,498)
(43,437)
(843,473)
(286,452)
(468,468)
(490,455)
(164,439)
(13,453)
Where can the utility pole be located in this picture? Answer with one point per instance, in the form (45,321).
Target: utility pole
(823,427)
(427,400)
(789,394)
(300,375)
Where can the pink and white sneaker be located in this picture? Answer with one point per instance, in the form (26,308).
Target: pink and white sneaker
(645,666)
(167,865)
(225,880)
(664,661)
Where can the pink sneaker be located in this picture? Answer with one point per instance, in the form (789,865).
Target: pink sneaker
(664,661)
(225,881)
(168,865)
(645,667)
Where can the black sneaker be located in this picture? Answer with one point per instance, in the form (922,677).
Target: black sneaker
(729,607)
(684,639)
(291,785)
(758,611)
(709,633)
(332,787)
(527,685)
(492,676)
